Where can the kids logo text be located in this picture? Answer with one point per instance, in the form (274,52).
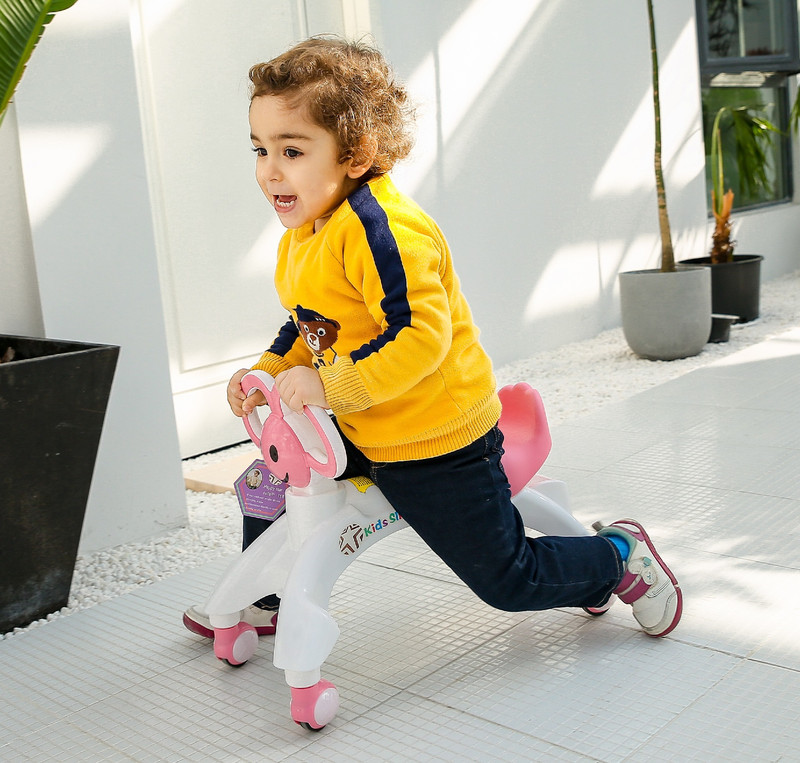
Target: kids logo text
(353,536)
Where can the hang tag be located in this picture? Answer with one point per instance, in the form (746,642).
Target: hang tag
(260,493)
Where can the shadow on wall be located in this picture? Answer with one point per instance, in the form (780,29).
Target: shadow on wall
(538,163)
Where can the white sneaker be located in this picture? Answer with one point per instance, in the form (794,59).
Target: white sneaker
(648,585)
(263,620)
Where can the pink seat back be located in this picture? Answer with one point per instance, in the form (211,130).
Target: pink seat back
(527,442)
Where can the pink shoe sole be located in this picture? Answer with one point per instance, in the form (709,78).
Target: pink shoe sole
(597,611)
(202,630)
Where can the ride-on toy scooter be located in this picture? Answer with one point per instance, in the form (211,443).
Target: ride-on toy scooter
(328,524)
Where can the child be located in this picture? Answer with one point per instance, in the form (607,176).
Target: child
(380,333)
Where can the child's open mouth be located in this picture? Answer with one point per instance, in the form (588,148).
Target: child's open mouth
(284,203)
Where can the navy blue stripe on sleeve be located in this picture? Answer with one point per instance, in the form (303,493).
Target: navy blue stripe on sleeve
(386,255)
(285,339)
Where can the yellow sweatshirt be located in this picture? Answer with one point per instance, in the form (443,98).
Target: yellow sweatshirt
(376,307)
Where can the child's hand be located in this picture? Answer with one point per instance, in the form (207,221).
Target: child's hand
(240,404)
(301,386)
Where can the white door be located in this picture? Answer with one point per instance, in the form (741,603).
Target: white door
(216,235)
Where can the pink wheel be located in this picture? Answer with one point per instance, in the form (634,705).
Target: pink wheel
(235,645)
(314,706)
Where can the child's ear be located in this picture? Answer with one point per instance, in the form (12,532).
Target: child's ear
(363,157)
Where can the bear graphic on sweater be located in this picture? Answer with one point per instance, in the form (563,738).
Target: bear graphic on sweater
(319,333)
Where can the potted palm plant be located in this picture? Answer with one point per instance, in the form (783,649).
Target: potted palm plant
(736,278)
(53,397)
(666,312)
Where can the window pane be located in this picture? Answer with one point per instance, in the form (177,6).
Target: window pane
(746,28)
(771,105)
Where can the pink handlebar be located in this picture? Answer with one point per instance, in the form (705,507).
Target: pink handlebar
(287,437)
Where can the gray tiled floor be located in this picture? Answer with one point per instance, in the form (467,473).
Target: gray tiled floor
(710,463)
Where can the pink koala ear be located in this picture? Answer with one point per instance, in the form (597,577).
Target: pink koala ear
(260,380)
(335,454)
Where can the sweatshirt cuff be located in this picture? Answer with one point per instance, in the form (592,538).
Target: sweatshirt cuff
(344,388)
(272,364)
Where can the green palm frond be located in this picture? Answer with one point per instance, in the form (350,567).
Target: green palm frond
(794,115)
(22,24)
(753,134)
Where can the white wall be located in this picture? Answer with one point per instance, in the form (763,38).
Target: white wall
(536,148)
(20,309)
(95,255)
(773,232)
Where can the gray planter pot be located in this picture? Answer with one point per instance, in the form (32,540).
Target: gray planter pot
(666,316)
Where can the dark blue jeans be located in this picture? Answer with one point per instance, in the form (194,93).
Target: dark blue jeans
(252,527)
(460,505)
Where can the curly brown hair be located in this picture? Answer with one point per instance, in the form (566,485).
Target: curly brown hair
(350,90)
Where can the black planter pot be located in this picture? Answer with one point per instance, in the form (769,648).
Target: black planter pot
(735,286)
(53,399)
(721,327)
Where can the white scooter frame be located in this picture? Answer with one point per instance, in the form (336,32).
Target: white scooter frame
(328,524)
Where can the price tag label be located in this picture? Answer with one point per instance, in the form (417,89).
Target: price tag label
(260,493)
